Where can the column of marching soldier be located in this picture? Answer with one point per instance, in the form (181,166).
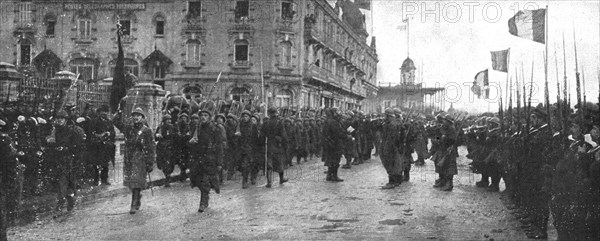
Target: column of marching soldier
(553,173)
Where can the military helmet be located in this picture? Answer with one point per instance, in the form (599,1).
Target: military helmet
(195,116)
(203,111)
(246,112)
(61,114)
(139,111)
(220,116)
(166,117)
(389,111)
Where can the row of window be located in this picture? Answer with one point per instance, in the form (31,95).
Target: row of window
(242,12)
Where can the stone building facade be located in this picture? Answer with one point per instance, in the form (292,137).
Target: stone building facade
(308,55)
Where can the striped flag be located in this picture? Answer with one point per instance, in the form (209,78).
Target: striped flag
(481,85)
(529,24)
(500,60)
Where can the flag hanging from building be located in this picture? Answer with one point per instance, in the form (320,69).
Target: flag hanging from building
(529,24)
(500,60)
(118,86)
(364,4)
(481,85)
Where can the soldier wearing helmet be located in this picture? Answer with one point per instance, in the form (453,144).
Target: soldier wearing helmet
(247,135)
(389,150)
(140,154)
(62,146)
(166,135)
(276,137)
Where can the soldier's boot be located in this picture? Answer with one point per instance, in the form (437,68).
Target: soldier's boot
(167,180)
(346,166)
(203,201)
(356,161)
(182,176)
(221,178)
(104,181)
(334,175)
(494,187)
(449,185)
(253,175)
(329,173)
(132,210)
(59,203)
(245,180)
(269,179)
(70,203)
(138,200)
(391,182)
(439,182)
(398,179)
(406,175)
(282,180)
(484,181)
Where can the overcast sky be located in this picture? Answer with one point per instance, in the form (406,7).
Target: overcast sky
(453,43)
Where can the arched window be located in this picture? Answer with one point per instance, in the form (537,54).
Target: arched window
(241,52)
(192,92)
(131,66)
(283,98)
(241,94)
(286,56)
(159,23)
(193,51)
(84,67)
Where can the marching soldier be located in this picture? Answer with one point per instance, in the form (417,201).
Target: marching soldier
(182,153)
(247,135)
(301,139)
(140,154)
(206,146)
(232,151)
(220,122)
(28,143)
(258,150)
(103,144)
(272,129)
(62,145)
(291,143)
(334,137)
(166,135)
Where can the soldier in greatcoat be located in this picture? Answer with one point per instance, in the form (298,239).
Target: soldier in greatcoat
(390,156)
(182,153)
(301,141)
(232,150)
(247,135)
(206,146)
(140,154)
(166,136)
(445,153)
(290,145)
(62,145)
(275,137)
(334,139)
(102,148)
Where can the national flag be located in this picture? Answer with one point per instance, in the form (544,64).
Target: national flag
(529,24)
(500,60)
(481,85)
(364,4)
(118,85)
